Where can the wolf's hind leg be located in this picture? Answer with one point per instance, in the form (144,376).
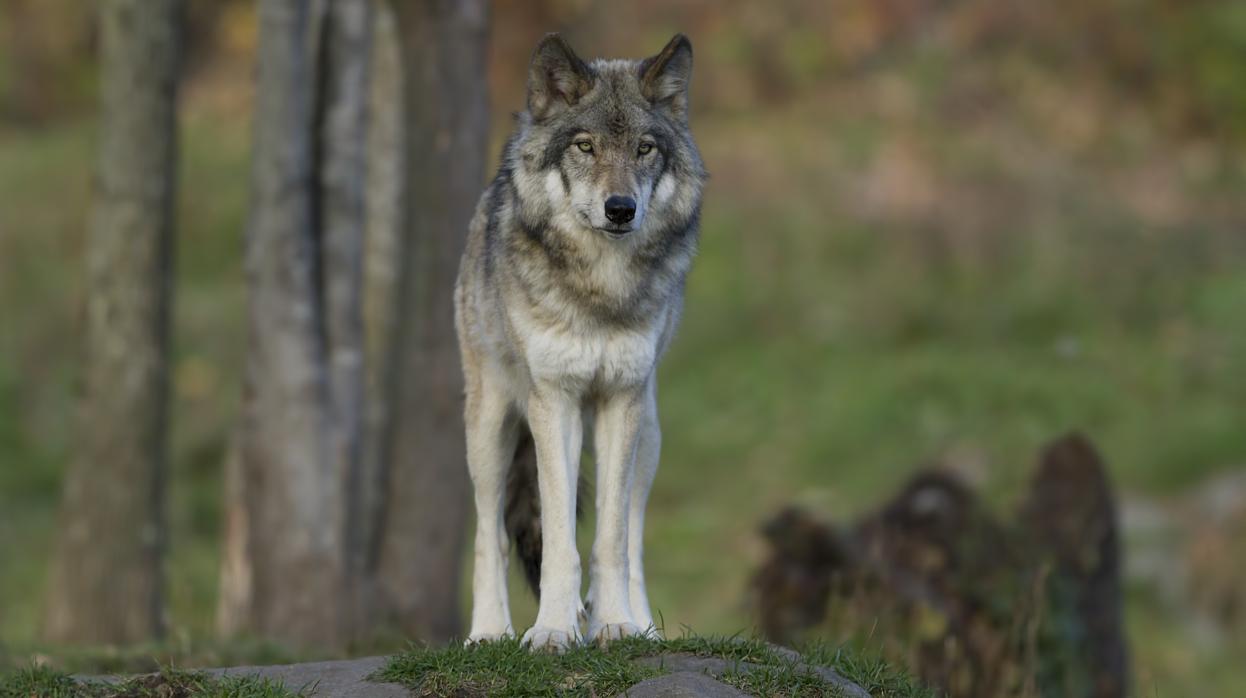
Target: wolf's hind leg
(491,435)
(648,445)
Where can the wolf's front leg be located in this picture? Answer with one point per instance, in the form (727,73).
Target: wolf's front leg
(618,421)
(491,437)
(648,445)
(557,431)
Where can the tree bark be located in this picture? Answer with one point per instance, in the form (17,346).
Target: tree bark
(233,595)
(343,170)
(106,580)
(289,567)
(289,485)
(382,247)
(445,99)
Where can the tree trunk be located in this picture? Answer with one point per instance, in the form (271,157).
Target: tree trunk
(290,570)
(106,575)
(292,527)
(445,98)
(301,430)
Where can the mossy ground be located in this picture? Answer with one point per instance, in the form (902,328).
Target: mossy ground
(507,669)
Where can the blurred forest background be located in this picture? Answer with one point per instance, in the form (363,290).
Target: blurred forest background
(937,232)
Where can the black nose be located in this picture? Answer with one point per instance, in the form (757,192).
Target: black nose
(620,209)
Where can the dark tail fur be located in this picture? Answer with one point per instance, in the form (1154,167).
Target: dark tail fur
(523,508)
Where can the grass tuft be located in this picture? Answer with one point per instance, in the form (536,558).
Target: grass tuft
(44,682)
(40,681)
(869,671)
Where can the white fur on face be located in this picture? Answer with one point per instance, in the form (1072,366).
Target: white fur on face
(588,203)
(665,189)
(565,214)
(553,189)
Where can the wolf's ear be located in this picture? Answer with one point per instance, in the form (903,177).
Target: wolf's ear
(557,78)
(664,78)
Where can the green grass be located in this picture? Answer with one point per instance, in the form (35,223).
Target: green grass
(43,682)
(507,669)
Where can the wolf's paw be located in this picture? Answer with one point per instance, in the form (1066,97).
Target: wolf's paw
(647,627)
(544,639)
(483,637)
(608,632)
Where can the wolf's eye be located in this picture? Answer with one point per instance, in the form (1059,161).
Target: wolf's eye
(584,146)
(645,148)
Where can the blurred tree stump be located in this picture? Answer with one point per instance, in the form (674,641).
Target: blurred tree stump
(978,606)
(1071,515)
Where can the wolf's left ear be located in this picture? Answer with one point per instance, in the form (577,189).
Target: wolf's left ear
(664,78)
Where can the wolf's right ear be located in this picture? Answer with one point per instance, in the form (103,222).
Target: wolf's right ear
(664,78)
(557,78)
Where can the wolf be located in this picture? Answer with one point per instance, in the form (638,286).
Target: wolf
(569,291)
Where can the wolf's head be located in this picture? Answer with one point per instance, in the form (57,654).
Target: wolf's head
(609,141)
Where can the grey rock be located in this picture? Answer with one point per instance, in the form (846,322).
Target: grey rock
(682,684)
(714,666)
(788,654)
(846,687)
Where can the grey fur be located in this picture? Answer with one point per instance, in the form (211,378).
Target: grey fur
(546,274)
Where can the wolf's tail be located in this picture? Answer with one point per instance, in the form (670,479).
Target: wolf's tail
(523,508)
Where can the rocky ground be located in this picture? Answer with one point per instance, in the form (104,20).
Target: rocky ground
(686,675)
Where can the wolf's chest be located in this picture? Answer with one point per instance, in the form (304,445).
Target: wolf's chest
(597,358)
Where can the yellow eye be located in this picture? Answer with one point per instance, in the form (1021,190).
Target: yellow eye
(584,146)
(645,148)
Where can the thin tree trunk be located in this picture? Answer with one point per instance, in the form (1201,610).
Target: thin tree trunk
(290,571)
(445,98)
(293,530)
(106,575)
(382,246)
(343,169)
